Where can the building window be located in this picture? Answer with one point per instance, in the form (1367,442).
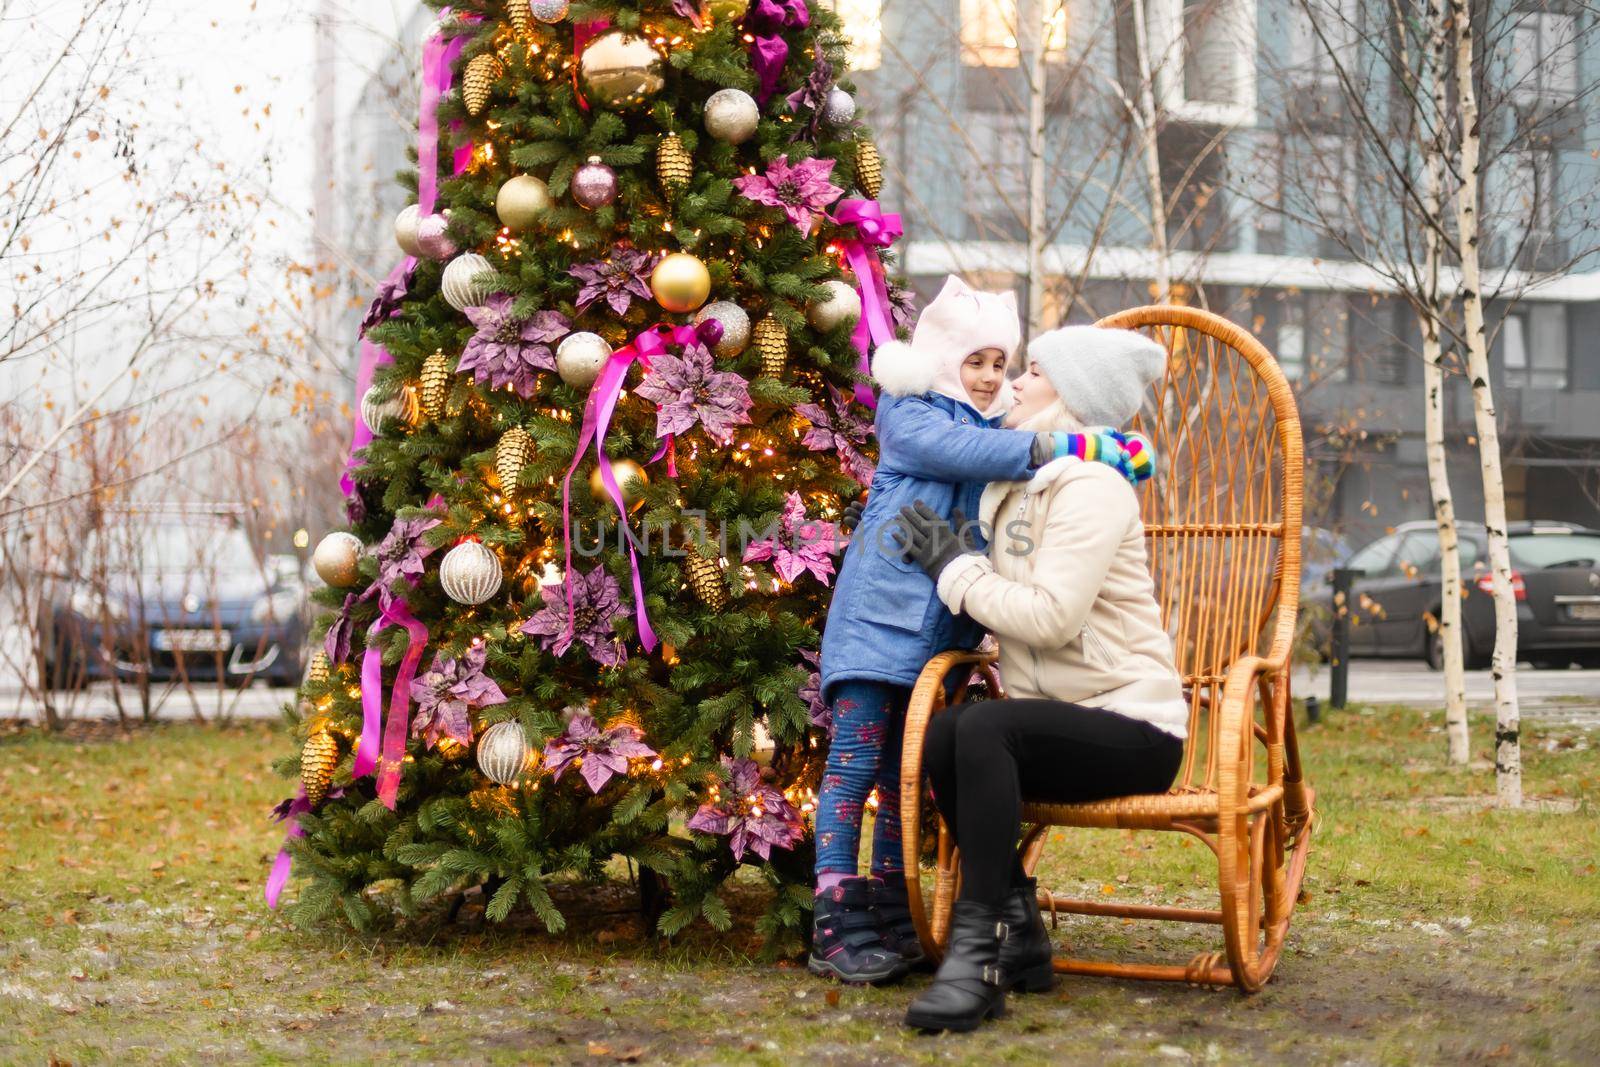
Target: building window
(863,25)
(1533,347)
(990,34)
(998,189)
(1542,65)
(1291,347)
(1311,56)
(1525,203)
(1202,57)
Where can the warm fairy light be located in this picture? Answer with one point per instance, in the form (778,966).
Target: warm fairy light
(656,765)
(354,692)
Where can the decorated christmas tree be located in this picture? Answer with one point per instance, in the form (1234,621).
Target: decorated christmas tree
(612,402)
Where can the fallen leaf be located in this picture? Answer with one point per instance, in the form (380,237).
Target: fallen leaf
(832,997)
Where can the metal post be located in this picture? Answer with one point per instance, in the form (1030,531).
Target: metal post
(1339,684)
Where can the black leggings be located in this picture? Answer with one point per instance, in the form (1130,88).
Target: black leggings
(984,757)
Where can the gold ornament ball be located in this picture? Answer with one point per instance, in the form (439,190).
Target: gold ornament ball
(620,70)
(580,357)
(680,282)
(337,559)
(772,343)
(842,306)
(435,384)
(521,202)
(731,115)
(318,757)
(625,471)
(762,747)
(511,453)
(674,165)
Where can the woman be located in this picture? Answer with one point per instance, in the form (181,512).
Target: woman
(1096,707)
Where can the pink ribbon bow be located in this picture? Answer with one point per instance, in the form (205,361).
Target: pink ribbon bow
(874,230)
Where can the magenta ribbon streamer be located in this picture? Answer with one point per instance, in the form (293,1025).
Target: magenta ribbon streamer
(597,413)
(768,50)
(398,723)
(438,63)
(283,862)
(874,230)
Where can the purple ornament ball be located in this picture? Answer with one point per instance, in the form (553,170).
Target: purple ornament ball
(594,184)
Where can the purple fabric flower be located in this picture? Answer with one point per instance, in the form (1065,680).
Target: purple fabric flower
(802,545)
(620,278)
(756,815)
(447,691)
(340,634)
(688,389)
(842,430)
(801,189)
(902,306)
(401,553)
(603,754)
(810,97)
(596,606)
(387,301)
(817,711)
(508,349)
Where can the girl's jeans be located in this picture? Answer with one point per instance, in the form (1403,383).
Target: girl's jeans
(868,720)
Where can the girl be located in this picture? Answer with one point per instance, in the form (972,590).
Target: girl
(943,395)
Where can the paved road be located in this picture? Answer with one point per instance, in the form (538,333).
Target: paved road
(1546,693)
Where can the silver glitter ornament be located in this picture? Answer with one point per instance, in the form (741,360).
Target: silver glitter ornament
(549,10)
(735,327)
(594,184)
(504,753)
(433,238)
(732,115)
(580,357)
(470,573)
(842,305)
(839,109)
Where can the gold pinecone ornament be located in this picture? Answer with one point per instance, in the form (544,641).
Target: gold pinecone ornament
(674,165)
(772,344)
(705,578)
(482,70)
(511,454)
(869,169)
(320,669)
(435,384)
(317,760)
(520,17)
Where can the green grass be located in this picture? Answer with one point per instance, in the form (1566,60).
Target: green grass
(132,930)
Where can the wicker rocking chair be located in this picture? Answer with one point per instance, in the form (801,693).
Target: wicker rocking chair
(1223,519)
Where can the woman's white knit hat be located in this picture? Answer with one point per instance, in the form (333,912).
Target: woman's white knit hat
(959,321)
(1102,376)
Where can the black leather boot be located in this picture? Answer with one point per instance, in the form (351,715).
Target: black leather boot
(845,943)
(891,906)
(969,986)
(1027,952)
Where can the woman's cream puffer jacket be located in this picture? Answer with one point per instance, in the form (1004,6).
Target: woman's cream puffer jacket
(1066,589)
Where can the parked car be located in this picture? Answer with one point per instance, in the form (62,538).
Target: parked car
(180,595)
(1394,604)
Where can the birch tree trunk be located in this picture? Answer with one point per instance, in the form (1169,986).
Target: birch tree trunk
(1444,508)
(1036,34)
(1152,156)
(1508,753)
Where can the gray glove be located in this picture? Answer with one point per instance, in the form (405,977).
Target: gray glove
(931,542)
(852,514)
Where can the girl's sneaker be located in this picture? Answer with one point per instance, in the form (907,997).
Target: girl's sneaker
(844,937)
(892,906)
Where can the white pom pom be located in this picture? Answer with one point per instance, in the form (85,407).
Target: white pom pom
(901,370)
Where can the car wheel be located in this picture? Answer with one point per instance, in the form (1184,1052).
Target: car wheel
(1433,651)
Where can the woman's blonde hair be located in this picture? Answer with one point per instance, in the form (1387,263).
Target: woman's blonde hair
(1054,416)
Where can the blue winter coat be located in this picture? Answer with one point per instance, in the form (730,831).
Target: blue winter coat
(885,621)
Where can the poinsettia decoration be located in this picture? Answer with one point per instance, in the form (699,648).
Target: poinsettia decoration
(386,304)
(510,349)
(619,280)
(447,692)
(801,545)
(689,389)
(841,430)
(401,552)
(801,190)
(601,754)
(818,713)
(596,606)
(336,643)
(755,816)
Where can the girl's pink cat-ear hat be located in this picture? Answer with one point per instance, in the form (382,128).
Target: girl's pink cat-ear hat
(959,321)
